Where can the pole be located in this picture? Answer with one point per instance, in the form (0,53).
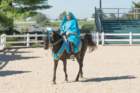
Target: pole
(100,4)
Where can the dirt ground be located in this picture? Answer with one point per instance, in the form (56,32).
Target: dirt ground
(109,69)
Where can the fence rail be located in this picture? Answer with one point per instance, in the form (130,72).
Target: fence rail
(99,38)
(20,40)
(129,38)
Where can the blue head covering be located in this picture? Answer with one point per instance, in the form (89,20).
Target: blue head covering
(72,18)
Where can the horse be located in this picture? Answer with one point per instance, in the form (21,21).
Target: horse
(55,41)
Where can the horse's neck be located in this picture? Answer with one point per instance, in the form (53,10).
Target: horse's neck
(57,46)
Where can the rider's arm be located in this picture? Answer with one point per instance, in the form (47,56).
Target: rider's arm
(74,28)
(62,29)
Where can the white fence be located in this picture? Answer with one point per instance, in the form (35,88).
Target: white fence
(2,41)
(25,40)
(99,38)
(102,38)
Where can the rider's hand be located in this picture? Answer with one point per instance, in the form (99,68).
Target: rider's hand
(67,33)
(61,33)
(64,38)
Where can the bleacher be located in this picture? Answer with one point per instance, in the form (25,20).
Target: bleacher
(119,21)
(121,26)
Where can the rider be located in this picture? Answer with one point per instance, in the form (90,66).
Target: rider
(70,28)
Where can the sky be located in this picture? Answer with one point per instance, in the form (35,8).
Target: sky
(82,8)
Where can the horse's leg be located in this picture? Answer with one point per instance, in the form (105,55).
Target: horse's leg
(65,69)
(81,58)
(80,68)
(54,72)
(81,73)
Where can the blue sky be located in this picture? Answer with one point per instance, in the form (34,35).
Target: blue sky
(83,8)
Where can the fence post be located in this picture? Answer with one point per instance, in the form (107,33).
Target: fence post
(2,41)
(118,13)
(36,38)
(130,38)
(97,38)
(102,38)
(94,36)
(28,40)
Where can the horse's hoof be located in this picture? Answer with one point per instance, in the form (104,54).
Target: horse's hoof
(54,82)
(65,81)
(76,80)
(82,77)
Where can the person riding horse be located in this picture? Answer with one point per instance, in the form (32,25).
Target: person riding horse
(59,44)
(70,28)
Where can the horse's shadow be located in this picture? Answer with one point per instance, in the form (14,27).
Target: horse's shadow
(103,79)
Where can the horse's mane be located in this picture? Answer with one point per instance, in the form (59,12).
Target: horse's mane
(57,34)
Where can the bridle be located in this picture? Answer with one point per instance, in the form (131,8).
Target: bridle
(50,39)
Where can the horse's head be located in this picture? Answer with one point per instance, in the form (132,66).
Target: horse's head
(51,37)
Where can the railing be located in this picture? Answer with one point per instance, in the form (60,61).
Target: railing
(120,13)
(100,38)
(26,39)
(20,40)
(129,38)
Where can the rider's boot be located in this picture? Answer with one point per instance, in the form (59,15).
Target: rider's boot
(72,52)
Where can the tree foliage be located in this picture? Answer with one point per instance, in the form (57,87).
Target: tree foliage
(62,15)
(136,4)
(11,10)
(41,19)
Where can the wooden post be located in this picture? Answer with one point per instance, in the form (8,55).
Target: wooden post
(102,38)
(130,38)
(28,40)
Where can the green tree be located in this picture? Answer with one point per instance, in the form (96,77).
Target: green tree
(137,5)
(62,15)
(13,9)
(41,19)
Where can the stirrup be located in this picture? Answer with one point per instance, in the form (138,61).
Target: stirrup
(72,57)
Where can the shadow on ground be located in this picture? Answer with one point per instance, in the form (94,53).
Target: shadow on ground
(102,79)
(11,55)
(6,58)
(9,73)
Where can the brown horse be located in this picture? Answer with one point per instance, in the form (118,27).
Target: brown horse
(55,40)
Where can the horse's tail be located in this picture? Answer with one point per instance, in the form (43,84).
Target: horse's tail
(90,43)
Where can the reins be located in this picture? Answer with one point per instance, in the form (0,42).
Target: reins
(57,42)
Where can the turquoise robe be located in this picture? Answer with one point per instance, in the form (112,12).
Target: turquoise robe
(72,27)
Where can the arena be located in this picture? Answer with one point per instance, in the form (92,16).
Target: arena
(109,69)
